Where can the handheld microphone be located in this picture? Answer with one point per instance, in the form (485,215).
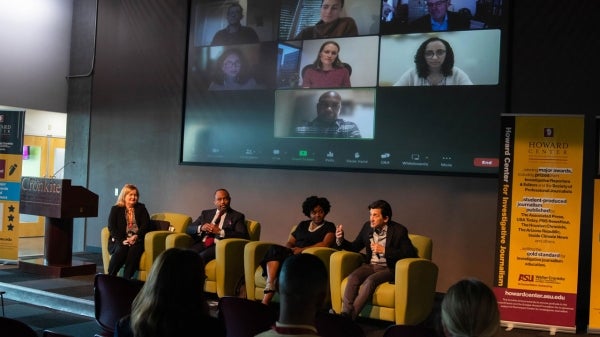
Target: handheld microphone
(373,241)
(62,168)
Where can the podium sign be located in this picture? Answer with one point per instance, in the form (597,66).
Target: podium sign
(56,198)
(59,202)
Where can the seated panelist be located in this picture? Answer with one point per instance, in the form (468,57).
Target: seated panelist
(385,242)
(217,224)
(315,232)
(128,223)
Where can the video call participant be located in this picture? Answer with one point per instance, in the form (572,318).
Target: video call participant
(387,11)
(327,71)
(327,123)
(217,224)
(232,72)
(234,33)
(439,19)
(434,65)
(331,24)
(385,242)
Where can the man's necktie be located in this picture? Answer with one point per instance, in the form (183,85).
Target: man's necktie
(210,238)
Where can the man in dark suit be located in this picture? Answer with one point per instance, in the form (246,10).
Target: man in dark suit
(217,224)
(385,242)
(439,19)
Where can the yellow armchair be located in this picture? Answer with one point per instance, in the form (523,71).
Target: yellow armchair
(154,241)
(254,281)
(253,272)
(407,301)
(227,269)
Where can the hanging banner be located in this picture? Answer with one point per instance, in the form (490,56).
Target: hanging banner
(11,156)
(539,210)
(594,323)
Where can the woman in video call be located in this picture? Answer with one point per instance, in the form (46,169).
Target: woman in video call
(327,70)
(331,24)
(434,65)
(231,72)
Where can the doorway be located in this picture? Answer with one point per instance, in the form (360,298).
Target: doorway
(43,156)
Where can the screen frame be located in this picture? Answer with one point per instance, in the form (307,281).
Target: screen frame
(503,78)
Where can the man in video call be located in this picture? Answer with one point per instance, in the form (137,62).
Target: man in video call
(234,33)
(327,123)
(439,18)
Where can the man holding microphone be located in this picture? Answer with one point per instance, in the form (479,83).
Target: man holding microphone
(385,242)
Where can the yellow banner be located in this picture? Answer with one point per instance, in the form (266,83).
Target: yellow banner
(9,207)
(594,324)
(539,220)
(11,158)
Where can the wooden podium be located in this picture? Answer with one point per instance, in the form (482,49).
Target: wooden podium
(59,202)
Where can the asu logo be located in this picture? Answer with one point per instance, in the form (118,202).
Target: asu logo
(526,277)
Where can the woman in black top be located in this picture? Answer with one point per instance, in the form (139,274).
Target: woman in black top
(315,232)
(128,223)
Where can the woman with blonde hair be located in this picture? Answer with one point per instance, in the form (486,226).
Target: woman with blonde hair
(128,223)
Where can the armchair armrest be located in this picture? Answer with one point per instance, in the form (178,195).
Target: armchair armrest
(415,285)
(104,237)
(341,264)
(179,240)
(154,244)
(254,251)
(230,265)
(323,253)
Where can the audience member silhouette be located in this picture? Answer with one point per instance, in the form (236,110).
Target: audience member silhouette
(303,291)
(172,301)
(470,309)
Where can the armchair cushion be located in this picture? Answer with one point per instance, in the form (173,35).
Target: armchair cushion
(160,225)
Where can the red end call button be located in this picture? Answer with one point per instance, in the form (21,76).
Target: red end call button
(486,162)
